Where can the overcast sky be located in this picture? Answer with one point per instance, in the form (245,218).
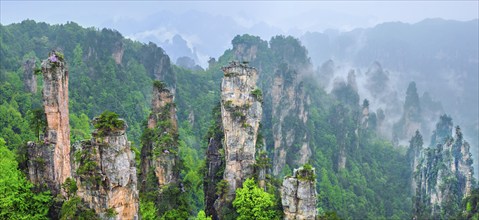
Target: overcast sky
(287,15)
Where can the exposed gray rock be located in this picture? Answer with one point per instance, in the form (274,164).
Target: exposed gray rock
(298,195)
(241,113)
(105,173)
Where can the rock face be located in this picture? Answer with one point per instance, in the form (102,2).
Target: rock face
(411,119)
(444,174)
(50,161)
(240,114)
(289,107)
(160,162)
(29,77)
(160,150)
(298,195)
(214,164)
(105,173)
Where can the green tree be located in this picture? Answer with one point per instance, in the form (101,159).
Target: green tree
(252,202)
(17,201)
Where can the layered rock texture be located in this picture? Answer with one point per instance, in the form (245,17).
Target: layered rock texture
(49,161)
(160,162)
(298,194)
(105,173)
(29,77)
(240,115)
(444,175)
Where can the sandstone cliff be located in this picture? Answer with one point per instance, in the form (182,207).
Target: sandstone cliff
(105,173)
(444,174)
(240,114)
(49,161)
(298,194)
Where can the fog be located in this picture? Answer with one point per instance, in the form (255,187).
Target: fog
(204,29)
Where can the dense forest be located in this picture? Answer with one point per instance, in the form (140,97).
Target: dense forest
(359,172)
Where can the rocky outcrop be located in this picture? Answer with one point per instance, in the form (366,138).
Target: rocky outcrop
(29,77)
(298,194)
(214,164)
(240,114)
(411,120)
(105,173)
(414,155)
(289,103)
(157,64)
(160,163)
(444,174)
(118,51)
(49,161)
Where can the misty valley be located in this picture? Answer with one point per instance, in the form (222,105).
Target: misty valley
(372,123)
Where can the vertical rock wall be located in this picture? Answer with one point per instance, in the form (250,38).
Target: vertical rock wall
(241,113)
(214,164)
(29,77)
(49,160)
(288,107)
(298,195)
(159,153)
(105,173)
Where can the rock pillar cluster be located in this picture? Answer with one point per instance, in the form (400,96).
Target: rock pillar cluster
(444,175)
(298,194)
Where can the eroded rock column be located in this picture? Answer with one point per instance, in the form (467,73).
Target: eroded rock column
(240,114)
(298,194)
(49,160)
(105,173)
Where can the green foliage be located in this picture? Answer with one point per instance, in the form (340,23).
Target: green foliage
(252,202)
(70,187)
(80,127)
(202,216)
(17,200)
(159,85)
(221,187)
(148,211)
(257,94)
(110,213)
(108,122)
(74,208)
(470,206)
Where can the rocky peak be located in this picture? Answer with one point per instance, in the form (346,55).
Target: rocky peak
(298,194)
(105,172)
(29,76)
(240,115)
(160,161)
(444,174)
(289,106)
(443,130)
(49,161)
(411,119)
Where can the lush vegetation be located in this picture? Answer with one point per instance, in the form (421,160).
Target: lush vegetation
(18,200)
(374,182)
(252,202)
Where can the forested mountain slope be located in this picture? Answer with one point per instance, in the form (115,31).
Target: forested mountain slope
(359,175)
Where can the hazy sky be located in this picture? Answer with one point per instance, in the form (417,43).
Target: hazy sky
(287,15)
